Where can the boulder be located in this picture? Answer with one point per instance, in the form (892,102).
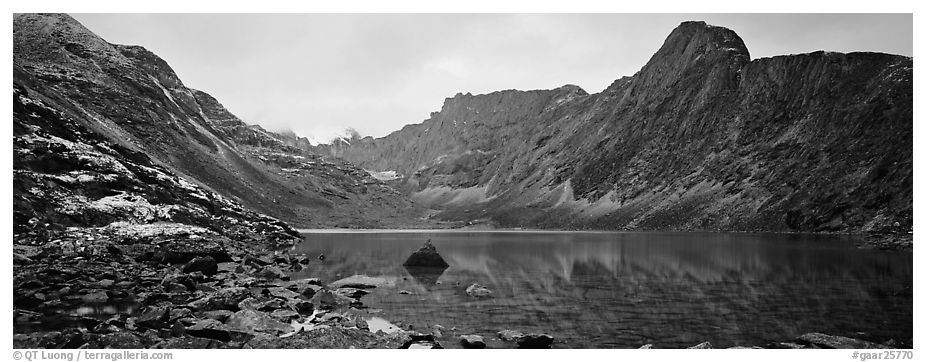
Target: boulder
(426,256)
(205,264)
(472,341)
(154,317)
(509,335)
(478,291)
(330,301)
(252,321)
(272,273)
(226,298)
(220,315)
(305,287)
(535,341)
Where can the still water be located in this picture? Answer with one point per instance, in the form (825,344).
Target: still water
(623,290)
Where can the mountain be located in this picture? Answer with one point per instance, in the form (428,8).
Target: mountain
(132,101)
(701,138)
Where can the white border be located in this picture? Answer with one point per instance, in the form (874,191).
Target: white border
(475,6)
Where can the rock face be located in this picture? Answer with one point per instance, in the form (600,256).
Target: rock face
(701,138)
(125,102)
(426,256)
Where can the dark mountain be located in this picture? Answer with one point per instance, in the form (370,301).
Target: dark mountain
(132,101)
(701,138)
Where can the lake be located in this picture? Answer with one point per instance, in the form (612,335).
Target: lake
(623,290)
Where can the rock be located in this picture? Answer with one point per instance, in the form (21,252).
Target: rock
(821,340)
(254,303)
(535,341)
(478,291)
(252,321)
(205,264)
(271,273)
(426,256)
(646,346)
(472,341)
(177,330)
(209,328)
(352,293)
(280,292)
(301,306)
(220,315)
(175,288)
(154,317)
(185,280)
(403,291)
(305,287)
(330,301)
(509,335)
(226,298)
(702,345)
(284,315)
(178,313)
(257,261)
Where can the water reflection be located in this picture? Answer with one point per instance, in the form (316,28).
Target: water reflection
(626,289)
(425,276)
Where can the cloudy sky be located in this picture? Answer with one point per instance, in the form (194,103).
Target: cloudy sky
(317,74)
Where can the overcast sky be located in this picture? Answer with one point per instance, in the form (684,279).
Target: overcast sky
(317,74)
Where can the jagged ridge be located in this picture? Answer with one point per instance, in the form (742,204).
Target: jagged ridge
(701,137)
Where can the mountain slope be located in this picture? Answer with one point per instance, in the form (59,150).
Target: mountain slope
(130,96)
(701,138)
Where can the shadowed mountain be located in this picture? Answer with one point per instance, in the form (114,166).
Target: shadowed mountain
(701,138)
(132,98)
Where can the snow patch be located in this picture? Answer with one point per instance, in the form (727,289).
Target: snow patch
(384,175)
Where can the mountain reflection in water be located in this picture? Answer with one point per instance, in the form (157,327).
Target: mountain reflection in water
(622,290)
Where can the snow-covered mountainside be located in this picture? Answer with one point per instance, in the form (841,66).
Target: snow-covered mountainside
(701,138)
(131,99)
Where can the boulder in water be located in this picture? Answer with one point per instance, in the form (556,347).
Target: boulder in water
(535,341)
(472,341)
(478,291)
(427,256)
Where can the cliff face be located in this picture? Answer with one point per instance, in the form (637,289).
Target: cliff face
(130,97)
(701,138)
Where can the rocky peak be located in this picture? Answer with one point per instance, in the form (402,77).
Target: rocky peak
(61,39)
(693,53)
